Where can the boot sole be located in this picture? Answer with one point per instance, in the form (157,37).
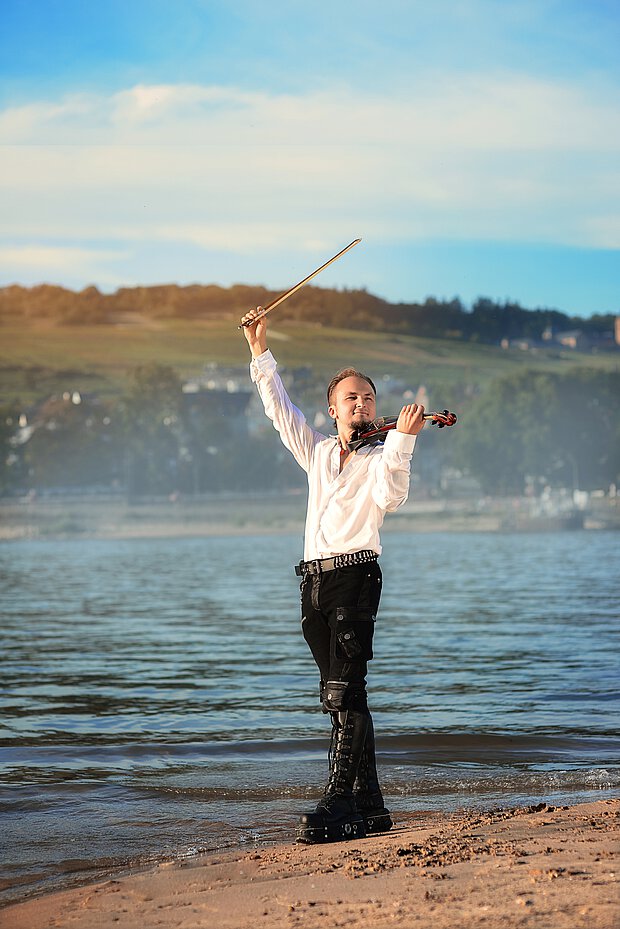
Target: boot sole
(350,828)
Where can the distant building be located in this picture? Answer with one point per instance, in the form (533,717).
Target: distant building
(456,484)
(222,396)
(523,345)
(573,338)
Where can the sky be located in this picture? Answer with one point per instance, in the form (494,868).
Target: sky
(474,147)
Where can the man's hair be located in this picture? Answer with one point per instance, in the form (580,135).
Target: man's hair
(347,372)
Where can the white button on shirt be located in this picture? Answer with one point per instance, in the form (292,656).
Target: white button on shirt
(345,509)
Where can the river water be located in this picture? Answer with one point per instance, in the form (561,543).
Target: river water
(158,699)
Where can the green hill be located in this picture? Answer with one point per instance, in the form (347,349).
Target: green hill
(38,358)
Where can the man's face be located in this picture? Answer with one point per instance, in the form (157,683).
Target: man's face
(353,403)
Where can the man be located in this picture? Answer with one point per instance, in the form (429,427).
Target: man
(348,496)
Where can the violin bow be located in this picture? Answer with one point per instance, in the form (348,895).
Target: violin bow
(292,290)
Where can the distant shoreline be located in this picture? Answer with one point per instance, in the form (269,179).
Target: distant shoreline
(114,517)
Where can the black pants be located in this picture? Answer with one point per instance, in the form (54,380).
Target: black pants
(338,610)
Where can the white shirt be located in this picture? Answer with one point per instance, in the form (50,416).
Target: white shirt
(345,509)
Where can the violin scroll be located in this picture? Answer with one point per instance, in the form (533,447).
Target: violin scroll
(441,419)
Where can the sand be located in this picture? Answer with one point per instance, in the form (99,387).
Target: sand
(543,866)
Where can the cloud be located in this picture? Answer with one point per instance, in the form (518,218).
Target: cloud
(485,112)
(502,157)
(72,262)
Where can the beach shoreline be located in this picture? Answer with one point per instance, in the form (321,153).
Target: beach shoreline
(115,517)
(536,866)
(229,515)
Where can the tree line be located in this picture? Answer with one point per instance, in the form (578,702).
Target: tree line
(553,428)
(558,429)
(487,321)
(152,440)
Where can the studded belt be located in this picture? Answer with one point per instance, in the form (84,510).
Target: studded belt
(321,565)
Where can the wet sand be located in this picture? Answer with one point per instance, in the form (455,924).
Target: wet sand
(543,866)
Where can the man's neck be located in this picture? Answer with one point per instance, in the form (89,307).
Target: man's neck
(345,436)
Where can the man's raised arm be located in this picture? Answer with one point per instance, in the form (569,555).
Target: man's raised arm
(290,422)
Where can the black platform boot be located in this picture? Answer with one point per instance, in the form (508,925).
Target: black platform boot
(366,790)
(336,816)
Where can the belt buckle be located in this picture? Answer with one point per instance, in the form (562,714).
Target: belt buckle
(314,567)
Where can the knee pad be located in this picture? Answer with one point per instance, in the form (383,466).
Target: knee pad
(342,695)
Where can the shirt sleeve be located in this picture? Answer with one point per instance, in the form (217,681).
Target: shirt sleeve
(290,422)
(393,470)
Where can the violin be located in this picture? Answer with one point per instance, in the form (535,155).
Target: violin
(377,430)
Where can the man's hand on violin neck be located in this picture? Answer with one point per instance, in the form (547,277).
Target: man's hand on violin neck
(411,419)
(255,333)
